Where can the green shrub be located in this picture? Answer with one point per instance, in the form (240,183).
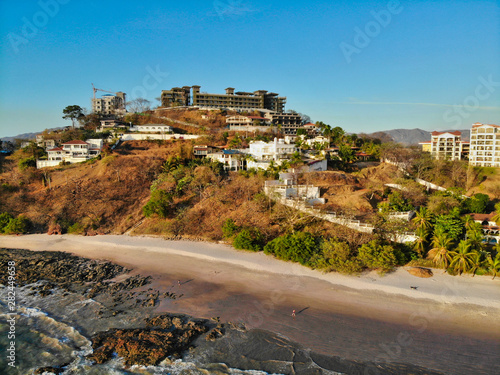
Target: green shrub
(76,228)
(337,256)
(297,247)
(376,254)
(27,163)
(248,239)
(19,225)
(5,218)
(229,228)
(159,204)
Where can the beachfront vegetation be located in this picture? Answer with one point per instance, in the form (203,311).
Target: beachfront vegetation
(11,225)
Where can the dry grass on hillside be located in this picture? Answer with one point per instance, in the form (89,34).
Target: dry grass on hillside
(108,194)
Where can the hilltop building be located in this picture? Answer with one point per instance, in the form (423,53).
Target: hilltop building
(110,104)
(446,146)
(191,96)
(72,152)
(485,145)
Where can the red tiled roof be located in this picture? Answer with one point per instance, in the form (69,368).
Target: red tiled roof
(77,142)
(56,149)
(482,217)
(310,124)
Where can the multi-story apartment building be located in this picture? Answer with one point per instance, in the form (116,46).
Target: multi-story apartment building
(288,122)
(191,96)
(485,145)
(109,104)
(248,123)
(446,145)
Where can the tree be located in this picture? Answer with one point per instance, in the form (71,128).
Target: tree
(19,225)
(337,256)
(5,218)
(158,204)
(420,243)
(440,203)
(423,219)
(378,255)
(139,105)
(451,224)
(476,261)
(346,153)
(494,264)
(461,258)
(73,112)
(249,239)
(297,247)
(478,203)
(496,217)
(439,254)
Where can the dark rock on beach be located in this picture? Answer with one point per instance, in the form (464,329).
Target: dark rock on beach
(56,267)
(166,336)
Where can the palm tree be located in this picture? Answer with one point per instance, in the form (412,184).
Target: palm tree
(494,264)
(496,218)
(468,222)
(475,238)
(423,219)
(439,254)
(461,257)
(421,241)
(477,260)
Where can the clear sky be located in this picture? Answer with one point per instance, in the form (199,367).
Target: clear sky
(362,65)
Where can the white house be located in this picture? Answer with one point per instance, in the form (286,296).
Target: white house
(277,150)
(286,188)
(319,139)
(151,128)
(72,152)
(233,160)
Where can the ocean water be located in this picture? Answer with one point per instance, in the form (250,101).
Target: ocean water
(41,340)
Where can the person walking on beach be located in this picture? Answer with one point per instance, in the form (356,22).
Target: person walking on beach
(293,314)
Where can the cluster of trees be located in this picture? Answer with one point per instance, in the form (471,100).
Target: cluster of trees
(318,252)
(454,242)
(180,178)
(11,225)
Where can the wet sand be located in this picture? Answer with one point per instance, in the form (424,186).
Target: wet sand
(449,323)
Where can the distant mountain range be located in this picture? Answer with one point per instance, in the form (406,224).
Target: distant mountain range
(412,136)
(26,136)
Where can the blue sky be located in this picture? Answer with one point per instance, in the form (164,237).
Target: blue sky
(362,65)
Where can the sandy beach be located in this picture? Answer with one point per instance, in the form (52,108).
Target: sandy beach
(357,317)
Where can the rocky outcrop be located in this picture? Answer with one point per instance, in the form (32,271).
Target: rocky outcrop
(56,267)
(165,336)
(420,272)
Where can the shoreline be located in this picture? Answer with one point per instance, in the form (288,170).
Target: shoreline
(464,289)
(365,317)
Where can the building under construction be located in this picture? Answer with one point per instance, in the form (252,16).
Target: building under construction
(191,96)
(109,104)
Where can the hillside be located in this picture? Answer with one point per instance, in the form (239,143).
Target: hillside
(108,195)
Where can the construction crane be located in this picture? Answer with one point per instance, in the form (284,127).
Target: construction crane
(93,88)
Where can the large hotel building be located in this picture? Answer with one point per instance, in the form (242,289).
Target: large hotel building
(191,96)
(485,145)
(483,150)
